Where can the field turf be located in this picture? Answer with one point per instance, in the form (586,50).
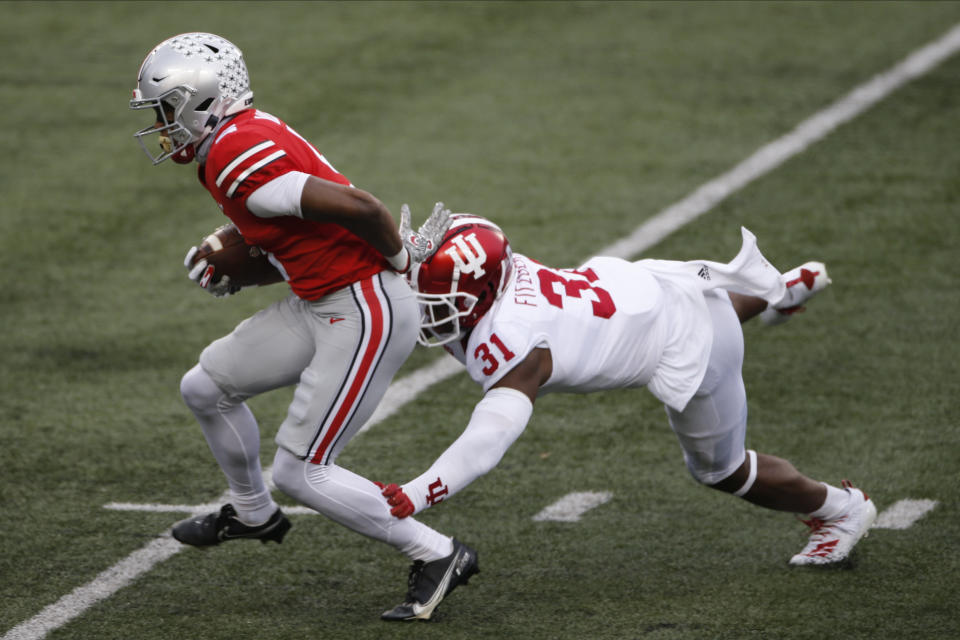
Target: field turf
(569,124)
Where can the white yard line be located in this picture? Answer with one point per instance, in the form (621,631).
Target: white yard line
(903,513)
(899,516)
(570,507)
(192,508)
(772,155)
(648,234)
(103,586)
(164,547)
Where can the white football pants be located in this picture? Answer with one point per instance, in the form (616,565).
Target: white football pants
(712,427)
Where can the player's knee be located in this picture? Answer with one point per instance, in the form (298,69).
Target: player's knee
(295,477)
(287,472)
(709,472)
(199,391)
(699,475)
(728,477)
(284,479)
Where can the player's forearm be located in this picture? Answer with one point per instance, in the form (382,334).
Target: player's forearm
(379,229)
(496,423)
(356,210)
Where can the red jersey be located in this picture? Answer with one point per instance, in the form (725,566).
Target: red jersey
(250,151)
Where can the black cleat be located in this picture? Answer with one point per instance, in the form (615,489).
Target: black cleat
(214,528)
(430,582)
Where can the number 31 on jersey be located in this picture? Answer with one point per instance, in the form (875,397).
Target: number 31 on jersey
(484,353)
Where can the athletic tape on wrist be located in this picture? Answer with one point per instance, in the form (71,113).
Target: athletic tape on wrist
(401,261)
(752,477)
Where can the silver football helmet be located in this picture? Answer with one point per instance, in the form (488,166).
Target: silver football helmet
(191,81)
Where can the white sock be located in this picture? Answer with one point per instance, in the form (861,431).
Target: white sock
(428,545)
(253,508)
(835,504)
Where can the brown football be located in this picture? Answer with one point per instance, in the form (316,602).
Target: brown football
(230,255)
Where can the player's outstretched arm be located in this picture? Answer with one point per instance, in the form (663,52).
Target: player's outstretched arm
(497,421)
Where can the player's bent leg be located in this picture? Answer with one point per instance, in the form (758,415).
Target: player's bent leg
(264,352)
(772,482)
(440,564)
(233,436)
(712,429)
(232,433)
(838,517)
(362,335)
(356,503)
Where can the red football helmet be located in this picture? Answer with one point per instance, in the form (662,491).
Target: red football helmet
(460,281)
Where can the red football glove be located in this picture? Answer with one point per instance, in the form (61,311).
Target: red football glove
(396,498)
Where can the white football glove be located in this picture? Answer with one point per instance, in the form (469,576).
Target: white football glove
(202,274)
(424,242)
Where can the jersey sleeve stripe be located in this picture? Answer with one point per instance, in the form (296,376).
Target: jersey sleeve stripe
(243,156)
(253,168)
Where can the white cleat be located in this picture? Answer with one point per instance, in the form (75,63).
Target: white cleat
(831,541)
(803,283)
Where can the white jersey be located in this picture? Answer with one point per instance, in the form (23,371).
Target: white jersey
(610,324)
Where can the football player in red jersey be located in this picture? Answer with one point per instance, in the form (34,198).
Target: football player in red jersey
(340,336)
(524,329)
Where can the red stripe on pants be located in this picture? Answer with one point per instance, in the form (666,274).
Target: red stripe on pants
(360,381)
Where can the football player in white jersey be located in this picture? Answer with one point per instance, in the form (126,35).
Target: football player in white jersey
(340,336)
(523,329)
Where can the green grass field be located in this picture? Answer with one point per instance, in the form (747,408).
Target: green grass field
(570,124)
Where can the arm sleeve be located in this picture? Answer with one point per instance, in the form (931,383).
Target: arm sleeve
(279,197)
(497,421)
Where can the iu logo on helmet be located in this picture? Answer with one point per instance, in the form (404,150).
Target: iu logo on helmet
(468,255)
